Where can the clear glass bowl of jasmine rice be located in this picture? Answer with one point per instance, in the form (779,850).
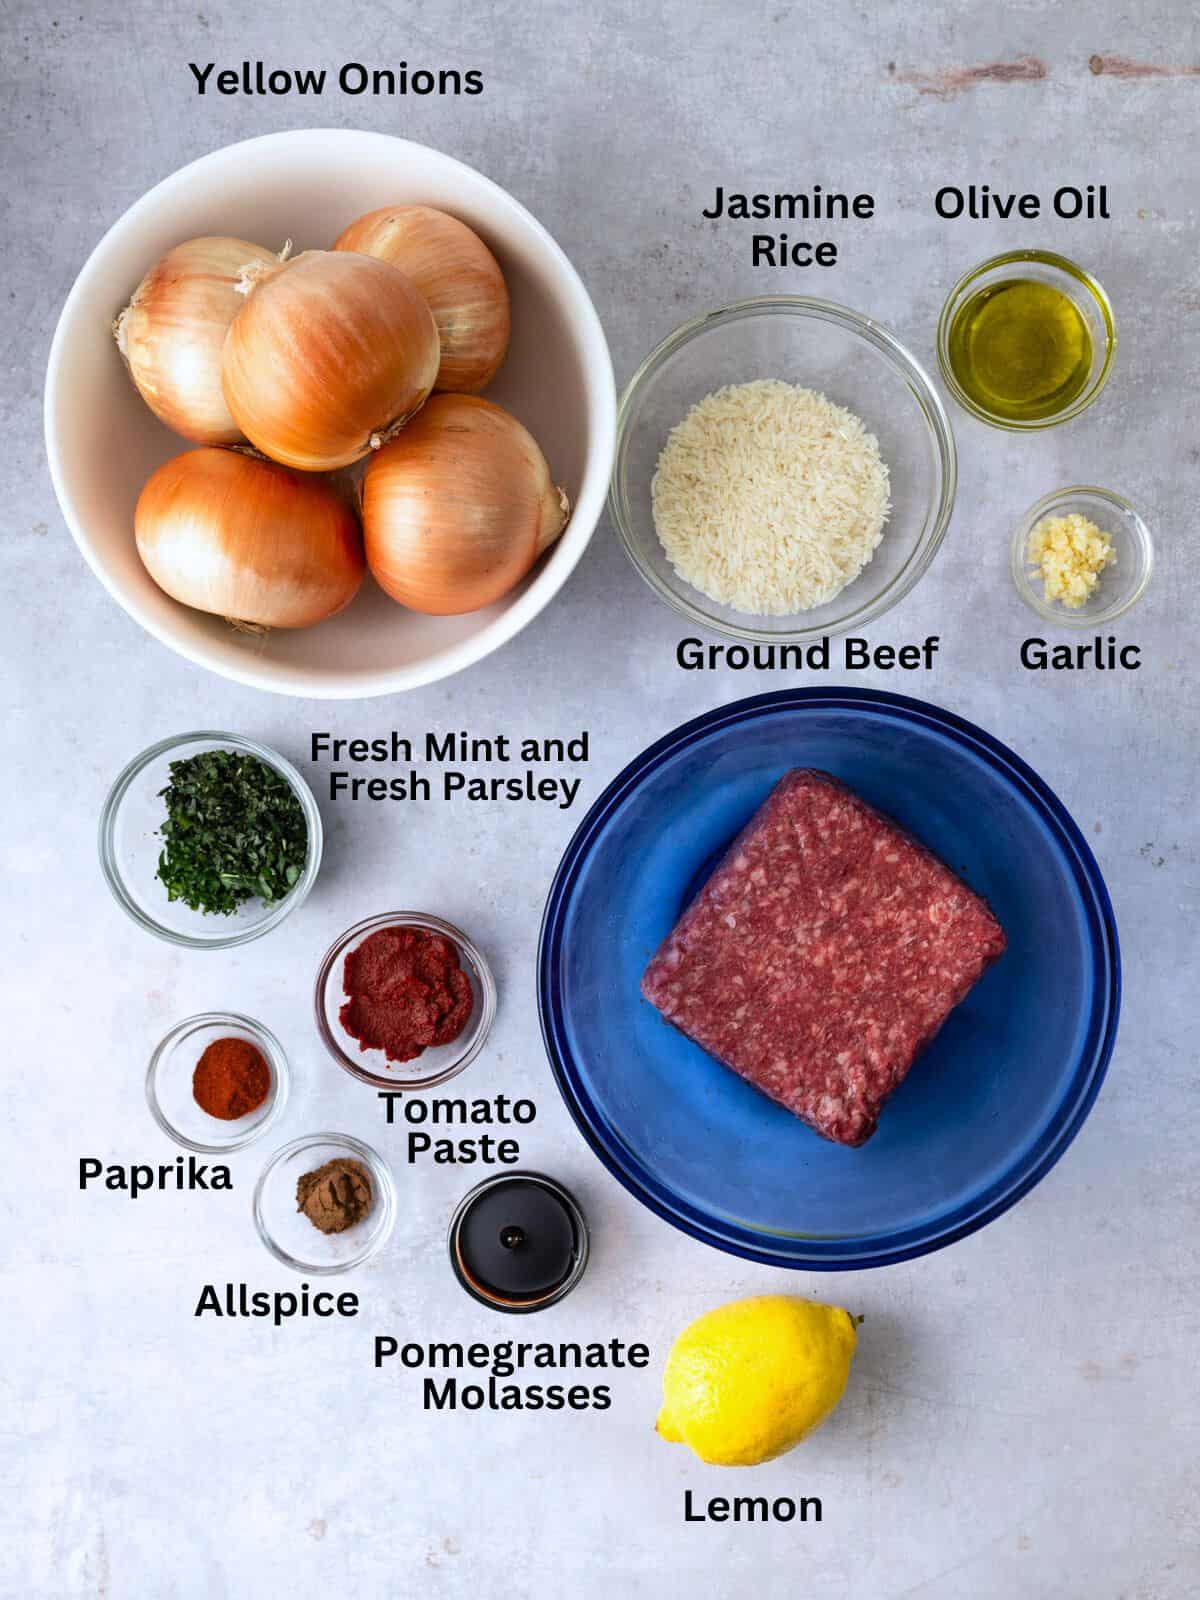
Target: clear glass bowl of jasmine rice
(849,360)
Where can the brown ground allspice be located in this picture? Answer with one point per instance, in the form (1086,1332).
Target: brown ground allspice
(336,1196)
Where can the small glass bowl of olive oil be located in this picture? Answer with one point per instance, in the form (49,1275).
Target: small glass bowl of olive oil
(1026,340)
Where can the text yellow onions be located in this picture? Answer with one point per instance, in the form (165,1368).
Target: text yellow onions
(248,540)
(173,330)
(328,353)
(459,277)
(458,507)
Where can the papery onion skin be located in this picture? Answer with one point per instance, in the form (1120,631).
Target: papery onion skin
(249,540)
(458,507)
(172,332)
(329,352)
(459,277)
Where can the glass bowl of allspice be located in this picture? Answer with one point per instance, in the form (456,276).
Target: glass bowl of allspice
(325,1203)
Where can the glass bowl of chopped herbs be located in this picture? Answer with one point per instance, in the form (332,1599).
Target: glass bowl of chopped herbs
(209,840)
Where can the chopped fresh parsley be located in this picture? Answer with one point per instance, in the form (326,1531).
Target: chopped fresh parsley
(234,829)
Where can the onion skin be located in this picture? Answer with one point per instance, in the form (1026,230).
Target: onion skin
(458,507)
(248,540)
(459,277)
(329,352)
(172,332)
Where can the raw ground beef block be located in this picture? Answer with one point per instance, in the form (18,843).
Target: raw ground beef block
(823,954)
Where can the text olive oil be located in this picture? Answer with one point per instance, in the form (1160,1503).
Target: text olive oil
(1021,350)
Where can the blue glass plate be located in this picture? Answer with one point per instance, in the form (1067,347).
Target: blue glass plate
(986,1110)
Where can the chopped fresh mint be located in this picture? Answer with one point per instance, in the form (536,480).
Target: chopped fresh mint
(234,830)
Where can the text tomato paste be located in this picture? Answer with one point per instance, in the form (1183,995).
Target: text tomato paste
(405,991)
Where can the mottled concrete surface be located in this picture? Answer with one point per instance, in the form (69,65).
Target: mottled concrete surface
(1023,1419)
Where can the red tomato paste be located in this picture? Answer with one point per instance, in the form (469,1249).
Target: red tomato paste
(405,991)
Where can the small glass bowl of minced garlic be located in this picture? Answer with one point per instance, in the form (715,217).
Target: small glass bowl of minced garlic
(1081,557)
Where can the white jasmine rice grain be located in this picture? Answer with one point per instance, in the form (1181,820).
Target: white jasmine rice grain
(769,498)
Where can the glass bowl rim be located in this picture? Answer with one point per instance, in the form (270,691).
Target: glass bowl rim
(808,1254)
(281,1071)
(477,1039)
(920,385)
(124,781)
(385,1186)
(1057,615)
(1061,263)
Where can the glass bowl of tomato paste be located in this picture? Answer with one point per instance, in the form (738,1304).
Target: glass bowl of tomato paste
(404,1001)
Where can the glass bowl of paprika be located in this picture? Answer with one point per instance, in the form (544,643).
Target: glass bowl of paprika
(404,1001)
(217,1082)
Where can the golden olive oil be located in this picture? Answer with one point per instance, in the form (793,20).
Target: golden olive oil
(1021,350)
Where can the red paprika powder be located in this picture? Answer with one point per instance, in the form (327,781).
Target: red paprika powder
(406,991)
(231,1079)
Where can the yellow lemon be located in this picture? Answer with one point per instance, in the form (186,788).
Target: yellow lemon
(747,1381)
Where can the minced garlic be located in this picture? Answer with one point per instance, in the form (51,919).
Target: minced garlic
(1070,553)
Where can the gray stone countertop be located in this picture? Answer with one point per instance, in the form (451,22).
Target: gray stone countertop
(1023,1418)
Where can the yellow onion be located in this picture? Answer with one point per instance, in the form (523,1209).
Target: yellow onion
(458,507)
(249,540)
(329,353)
(172,332)
(459,277)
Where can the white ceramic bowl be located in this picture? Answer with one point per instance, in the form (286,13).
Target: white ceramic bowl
(103,442)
